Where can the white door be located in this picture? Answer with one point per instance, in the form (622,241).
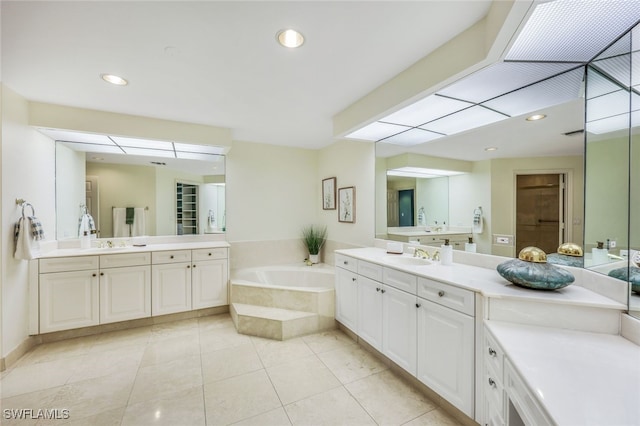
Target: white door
(170,288)
(68,300)
(370,311)
(399,327)
(209,283)
(347,298)
(445,353)
(125,293)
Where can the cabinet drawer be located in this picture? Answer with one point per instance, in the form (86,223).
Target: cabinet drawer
(493,391)
(346,262)
(63,264)
(493,355)
(370,270)
(174,256)
(446,295)
(124,259)
(209,254)
(400,280)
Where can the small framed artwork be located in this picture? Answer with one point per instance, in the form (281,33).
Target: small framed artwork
(329,193)
(347,204)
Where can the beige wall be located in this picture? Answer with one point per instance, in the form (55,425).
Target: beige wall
(28,171)
(123,185)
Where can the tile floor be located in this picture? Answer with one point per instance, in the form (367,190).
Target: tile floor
(201,372)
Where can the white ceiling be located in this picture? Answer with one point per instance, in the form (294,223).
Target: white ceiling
(217,63)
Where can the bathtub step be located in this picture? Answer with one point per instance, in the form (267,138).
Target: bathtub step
(272,323)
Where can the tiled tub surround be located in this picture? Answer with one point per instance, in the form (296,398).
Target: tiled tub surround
(285,301)
(578,310)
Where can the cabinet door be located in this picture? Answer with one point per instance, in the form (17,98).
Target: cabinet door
(399,327)
(347,298)
(209,284)
(125,293)
(171,288)
(68,300)
(370,311)
(445,353)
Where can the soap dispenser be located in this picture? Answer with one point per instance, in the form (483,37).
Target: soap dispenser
(446,253)
(599,254)
(470,246)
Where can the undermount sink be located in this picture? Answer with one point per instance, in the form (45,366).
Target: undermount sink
(408,261)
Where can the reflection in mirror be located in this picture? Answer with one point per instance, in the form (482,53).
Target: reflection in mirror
(108,184)
(612,164)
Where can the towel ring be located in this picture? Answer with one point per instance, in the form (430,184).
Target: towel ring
(33,211)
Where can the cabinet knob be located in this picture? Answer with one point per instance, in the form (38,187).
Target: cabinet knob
(95,275)
(492,383)
(441,293)
(418,305)
(188,266)
(345,262)
(353,279)
(209,254)
(171,257)
(383,290)
(492,352)
(102,274)
(194,266)
(377,288)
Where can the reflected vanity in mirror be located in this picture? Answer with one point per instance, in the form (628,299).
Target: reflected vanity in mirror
(168,188)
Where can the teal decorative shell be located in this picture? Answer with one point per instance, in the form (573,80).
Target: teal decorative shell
(631,274)
(563,259)
(539,276)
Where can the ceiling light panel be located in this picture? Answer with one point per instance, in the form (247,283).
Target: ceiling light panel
(609,105)
(412,137)
(90,147)
(197,156)
(142,143)
(63,135)
(502,78)
(428,109)
(567,30)
(377,131)
(547,93)
(203,149)
(467,119)
(620,47)
(148,152)
(598,84)
(618,68)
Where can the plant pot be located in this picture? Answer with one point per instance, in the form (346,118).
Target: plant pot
(314,258)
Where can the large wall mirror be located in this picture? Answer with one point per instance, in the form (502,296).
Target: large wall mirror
(170,188)
(612,200)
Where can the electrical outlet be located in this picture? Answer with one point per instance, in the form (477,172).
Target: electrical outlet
(612,244)
(503,239)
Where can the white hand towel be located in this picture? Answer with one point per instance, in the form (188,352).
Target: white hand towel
(27,247)
(138,227)
(120,228)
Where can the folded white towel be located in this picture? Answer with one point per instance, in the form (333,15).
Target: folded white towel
(138,227)
(120,228)
(28,232)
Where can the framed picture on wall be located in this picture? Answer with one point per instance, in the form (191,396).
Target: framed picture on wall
(347,204)
(329,193)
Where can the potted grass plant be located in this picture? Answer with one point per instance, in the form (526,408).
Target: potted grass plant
(314,237)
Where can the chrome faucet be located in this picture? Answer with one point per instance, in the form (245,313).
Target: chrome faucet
(110,244)
(436,255)
(421,253)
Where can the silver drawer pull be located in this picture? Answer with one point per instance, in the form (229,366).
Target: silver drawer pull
(492,352)
(377,288)
(383,290)
(353,279)
(441,293)
(492,383)
(418,305)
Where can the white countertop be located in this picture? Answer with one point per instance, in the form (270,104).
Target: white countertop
(557,365)
(65,252)
(485,281)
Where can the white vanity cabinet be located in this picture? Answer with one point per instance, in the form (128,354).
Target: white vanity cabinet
(68,299)
(446,342)
(209,278)
(346,291)
(369,324)
(125,287)
(399,317)
(171,282)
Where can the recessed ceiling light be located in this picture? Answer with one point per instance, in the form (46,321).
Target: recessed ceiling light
(536,117)
(114,79)
(491,148)
(97,158)
(290,38)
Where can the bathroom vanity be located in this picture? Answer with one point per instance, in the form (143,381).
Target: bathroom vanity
(72,288)
(500,354)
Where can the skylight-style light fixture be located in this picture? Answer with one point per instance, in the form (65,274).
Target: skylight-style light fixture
(114,79)
(536,117)
(290,38)
(421,172)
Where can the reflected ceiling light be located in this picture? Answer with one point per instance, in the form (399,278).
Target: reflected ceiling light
(290,38)
(536,117)
(491,148)
(421,172)
(114,79)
